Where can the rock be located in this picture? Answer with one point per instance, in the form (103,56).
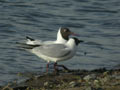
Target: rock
(97,83)
(58,85)
(89,77)
(104,80)
(105,73)
(80,80)
(92,88)
(89,88)
(73,84)
(115,83)
(7,88)
(98,89)
(46,83)
(70,81)
(116,77)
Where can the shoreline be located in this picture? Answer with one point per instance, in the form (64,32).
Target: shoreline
(98,79)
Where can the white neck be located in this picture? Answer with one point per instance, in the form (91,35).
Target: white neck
(60,39)
(71,43)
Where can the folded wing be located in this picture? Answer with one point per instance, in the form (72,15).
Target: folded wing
(53,50)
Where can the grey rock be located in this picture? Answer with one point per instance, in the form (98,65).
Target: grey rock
(115,84)
(116,77)
(46,83)
(97,83)
(73,84)
(87,78)
(90,77)
(104,80)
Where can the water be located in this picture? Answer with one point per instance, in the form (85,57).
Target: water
(97,22)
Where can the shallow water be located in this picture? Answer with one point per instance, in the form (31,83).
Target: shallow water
(97,22)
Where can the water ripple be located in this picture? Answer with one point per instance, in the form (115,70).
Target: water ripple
(97,22)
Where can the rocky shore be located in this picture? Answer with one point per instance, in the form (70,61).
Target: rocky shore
(100,79)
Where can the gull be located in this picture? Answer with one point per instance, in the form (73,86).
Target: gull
(62,37)
(54,52)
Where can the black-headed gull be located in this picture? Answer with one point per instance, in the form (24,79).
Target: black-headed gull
(62,37)
(54,52)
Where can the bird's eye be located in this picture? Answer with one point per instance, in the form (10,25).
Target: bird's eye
(65,30)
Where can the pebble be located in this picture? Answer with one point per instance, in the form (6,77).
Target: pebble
(115,83)
(89,88)
(104,80)
(116,77)
(46,83)
(89,77)
(97,83)
(73,84)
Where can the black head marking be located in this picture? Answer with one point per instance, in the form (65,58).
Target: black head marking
(77,41)
(65,32)
(31,39)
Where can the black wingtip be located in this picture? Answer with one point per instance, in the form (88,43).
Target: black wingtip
(80,41)
(29,46)
(27,37)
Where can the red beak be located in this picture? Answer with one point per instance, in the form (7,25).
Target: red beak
(74,34)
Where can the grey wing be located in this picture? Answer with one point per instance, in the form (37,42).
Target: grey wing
(53,50)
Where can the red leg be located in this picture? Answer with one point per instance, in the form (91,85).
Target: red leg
(47,67)
(55,67)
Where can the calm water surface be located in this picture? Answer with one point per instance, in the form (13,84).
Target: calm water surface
(97,22)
